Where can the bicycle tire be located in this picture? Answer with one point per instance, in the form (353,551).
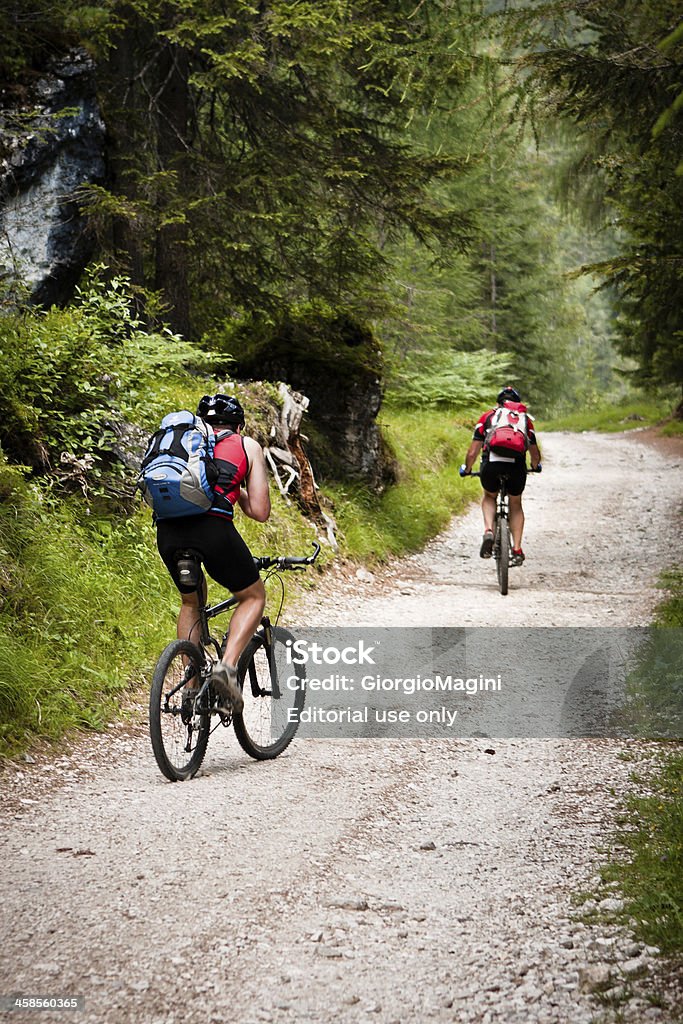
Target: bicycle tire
(179,743)
(503,554)
(266,725)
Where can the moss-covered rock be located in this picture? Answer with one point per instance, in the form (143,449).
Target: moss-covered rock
(338,364)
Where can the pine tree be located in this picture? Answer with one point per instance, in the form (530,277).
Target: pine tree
(499,285)
(601,63)
(260,152)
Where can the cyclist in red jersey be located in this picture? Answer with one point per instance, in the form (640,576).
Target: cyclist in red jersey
(242,480)
(492,465)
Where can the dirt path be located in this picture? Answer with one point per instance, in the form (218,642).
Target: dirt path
(359,880)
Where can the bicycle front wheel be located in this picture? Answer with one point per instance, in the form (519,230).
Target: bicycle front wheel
(273,694)
(179,733)
(503,554)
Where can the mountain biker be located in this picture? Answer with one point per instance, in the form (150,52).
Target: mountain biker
(242,479)
(492,465)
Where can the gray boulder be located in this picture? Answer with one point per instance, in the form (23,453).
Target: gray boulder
(49,147)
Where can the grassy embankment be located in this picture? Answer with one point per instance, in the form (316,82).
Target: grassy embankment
(429,446)
(650,875)
(626,415)
(86,605)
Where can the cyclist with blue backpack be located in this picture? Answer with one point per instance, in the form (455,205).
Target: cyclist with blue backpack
(503,436)
(196,470)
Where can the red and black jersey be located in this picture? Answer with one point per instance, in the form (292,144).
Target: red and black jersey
(484,423)
(233,467)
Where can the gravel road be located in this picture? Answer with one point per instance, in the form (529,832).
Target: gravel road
(380,881)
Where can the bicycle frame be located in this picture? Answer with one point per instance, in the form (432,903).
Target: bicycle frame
(207,612)
(502,510)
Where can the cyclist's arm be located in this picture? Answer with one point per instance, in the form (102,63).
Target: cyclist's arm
(534,455)
(472,454)
(254,496)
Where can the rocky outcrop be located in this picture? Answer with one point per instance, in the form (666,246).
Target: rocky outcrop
(338,365)
(48,148)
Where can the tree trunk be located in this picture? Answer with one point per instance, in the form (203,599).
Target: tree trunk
(172,116)
(127,135)
(494,291)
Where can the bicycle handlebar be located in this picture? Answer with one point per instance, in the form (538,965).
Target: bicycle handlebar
(286,561)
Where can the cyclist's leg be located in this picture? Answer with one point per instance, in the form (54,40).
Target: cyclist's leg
(171,539)
(516,520)
(245,621)
(488,477)
(516,485)
(488,507)
(188,627)
(229,562)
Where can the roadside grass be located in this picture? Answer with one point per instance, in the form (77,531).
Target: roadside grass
(80,613)
(670,610)
(627,415)
(428,446)
(654,686)
(650,874)
(673,428)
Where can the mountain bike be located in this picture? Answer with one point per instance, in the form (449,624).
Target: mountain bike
(502,540)
(183,711)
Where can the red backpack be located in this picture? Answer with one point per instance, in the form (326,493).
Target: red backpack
(508,432)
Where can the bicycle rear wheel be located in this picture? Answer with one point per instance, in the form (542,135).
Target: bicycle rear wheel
(179,734)
(274,695)
(502,552)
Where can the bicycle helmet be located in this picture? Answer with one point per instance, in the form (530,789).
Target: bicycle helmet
(508,394)
(221,409)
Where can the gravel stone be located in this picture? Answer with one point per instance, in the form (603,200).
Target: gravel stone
(634,967)
(596,978)
(611,905)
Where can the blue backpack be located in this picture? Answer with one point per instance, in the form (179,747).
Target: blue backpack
(178,472)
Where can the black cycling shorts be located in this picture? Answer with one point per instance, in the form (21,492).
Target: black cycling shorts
(490,473)
(224,553)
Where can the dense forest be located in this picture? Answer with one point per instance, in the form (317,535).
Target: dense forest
(436,174)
